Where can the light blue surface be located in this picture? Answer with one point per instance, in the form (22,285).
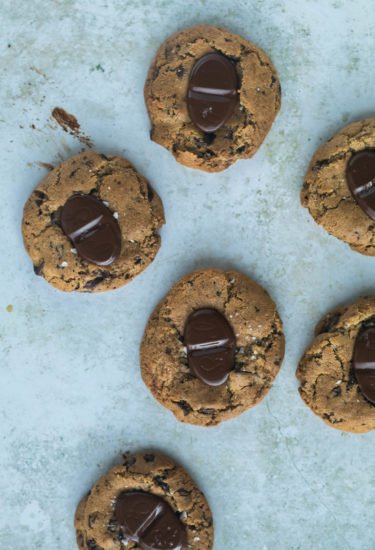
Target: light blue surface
(71,396)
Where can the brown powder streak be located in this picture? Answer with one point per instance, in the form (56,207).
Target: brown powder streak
(45,165)
(70,124)
(67,121)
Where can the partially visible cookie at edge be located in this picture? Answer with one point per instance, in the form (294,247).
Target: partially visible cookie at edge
(79,524)
(259,97)
(326,193)
(328,383)
(128,196)
(152,473)
(259,350)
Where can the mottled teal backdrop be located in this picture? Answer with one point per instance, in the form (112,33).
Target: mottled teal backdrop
(71,396)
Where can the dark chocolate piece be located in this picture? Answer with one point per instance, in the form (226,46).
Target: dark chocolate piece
(93,230)
(149,521)
(364,362)
(212,92)
(211,346)
(360,176)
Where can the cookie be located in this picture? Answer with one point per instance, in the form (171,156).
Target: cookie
(190,90)
(337,371)
(212,347)
(79,524)
(92,224)
(339,186)
(147,502)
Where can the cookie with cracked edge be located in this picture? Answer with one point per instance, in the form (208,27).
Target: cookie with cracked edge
(79,524)
(154,473)
(258,355)
(259,96)
(325,192)
(328,383)
(128,195)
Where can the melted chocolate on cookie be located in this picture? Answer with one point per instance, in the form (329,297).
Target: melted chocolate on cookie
(360,175)
(93,230)
(149,521)
(212,93)
(211,346)
(364,362)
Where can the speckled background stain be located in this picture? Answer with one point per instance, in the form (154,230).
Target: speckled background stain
(71,395)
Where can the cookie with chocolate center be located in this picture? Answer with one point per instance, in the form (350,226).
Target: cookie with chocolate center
(92,224)
(146,503)
(339,187)
(337,371)
(213,347)
(212,97)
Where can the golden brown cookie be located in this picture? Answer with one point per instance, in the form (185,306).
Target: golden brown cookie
(329,381)
(258,352)
(326,192)
(150,473)
(79,519)
(129,199)
(167,86)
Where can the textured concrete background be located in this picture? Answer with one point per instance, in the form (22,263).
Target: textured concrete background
(71,396)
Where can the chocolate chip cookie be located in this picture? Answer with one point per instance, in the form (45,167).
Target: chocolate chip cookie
(337,372)
(212,97)
(212,347)
(147,503)
(339,187)
(92,224)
